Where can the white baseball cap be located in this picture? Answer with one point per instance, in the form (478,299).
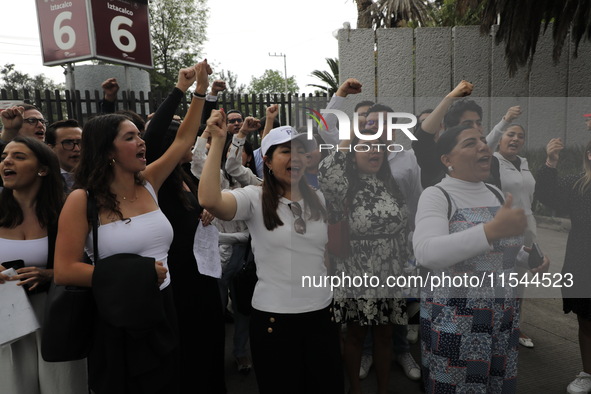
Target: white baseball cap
(283,134)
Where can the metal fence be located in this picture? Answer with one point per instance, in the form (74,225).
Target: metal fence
(74,104)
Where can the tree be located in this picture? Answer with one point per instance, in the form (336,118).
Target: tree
(447,13)
(231,80)
(178,30)
(521,22)
(329,79)
(364,20)
(11,79)
(273,82)
(391,13)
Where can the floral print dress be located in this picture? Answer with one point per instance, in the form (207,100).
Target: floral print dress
(378,223)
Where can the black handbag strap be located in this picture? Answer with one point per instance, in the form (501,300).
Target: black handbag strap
(92,215)
(51,237)
(448,201)
(248,255)
(496,193)
(491,188)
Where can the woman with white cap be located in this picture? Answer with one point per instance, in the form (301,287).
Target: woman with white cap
(294,341)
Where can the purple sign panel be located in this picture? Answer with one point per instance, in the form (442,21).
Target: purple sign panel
(122,32)
(63,28)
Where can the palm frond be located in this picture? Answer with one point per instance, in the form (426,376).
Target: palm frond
(321,87)
(521,22)
(330,79)
(333,64)
(392,11)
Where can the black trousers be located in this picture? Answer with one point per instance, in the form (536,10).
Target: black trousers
(296,353)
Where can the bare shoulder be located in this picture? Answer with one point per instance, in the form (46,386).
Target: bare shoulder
(75,203)
(77,196)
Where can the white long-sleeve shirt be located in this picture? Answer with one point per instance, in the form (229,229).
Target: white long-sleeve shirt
(434,246)
(231,232)
(234,167)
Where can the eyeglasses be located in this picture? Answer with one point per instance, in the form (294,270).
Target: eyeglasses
(235,120)
(299,224)
(473,123)
(70,144)
(33,121)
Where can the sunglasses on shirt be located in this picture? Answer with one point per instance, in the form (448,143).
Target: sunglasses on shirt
(299,224)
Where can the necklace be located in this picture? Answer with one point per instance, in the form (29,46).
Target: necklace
(131,200)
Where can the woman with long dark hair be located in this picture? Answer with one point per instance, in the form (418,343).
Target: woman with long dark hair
(294,343)
(359,188)
(572,194)
(196,296)
(113,168)
(30,204)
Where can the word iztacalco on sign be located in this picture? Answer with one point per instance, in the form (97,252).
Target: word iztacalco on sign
(119,9)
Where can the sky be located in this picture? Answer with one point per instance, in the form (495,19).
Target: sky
(240,36)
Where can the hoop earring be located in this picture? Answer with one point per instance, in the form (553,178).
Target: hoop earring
(39,174)
(450,168)
(270,172)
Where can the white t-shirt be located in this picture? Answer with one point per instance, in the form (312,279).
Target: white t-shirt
(283,256)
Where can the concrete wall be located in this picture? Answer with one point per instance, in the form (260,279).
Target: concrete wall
(90,77)
(415,68)
(361,66)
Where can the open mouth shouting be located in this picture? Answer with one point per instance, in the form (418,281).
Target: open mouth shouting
(8,174)
(295,171)
(142,156)
(375,160)
(484,161)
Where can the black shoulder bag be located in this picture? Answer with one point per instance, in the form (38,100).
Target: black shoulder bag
(245,279)
(68,326)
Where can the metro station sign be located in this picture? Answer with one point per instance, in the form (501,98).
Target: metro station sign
(116,31)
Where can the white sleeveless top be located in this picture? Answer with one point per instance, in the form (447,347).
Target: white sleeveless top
(32,251)
(148,235)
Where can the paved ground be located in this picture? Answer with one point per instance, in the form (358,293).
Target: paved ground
(546,369)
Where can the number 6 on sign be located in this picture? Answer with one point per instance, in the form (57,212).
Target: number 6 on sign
(111,30)
(117,34)
(59,31)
